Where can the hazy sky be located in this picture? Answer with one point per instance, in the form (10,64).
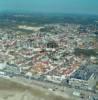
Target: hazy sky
(65,6)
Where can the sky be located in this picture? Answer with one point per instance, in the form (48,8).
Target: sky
(50,6)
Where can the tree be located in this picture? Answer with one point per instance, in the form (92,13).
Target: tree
(52,44)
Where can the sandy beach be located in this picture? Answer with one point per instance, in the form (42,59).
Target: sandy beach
(12,90)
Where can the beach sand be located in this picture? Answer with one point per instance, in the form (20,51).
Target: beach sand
(10,90)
